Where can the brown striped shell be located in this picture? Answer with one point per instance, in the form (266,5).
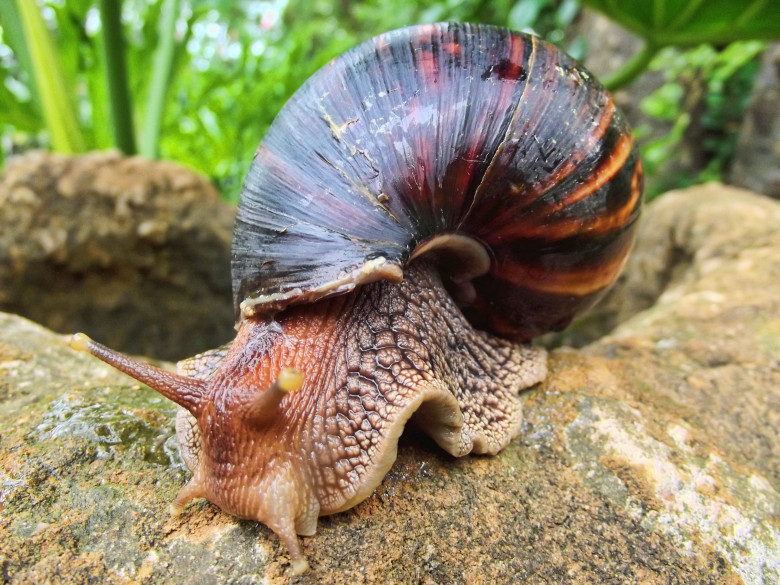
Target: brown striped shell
(434,137)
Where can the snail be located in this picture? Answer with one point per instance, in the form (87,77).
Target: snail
(421,208)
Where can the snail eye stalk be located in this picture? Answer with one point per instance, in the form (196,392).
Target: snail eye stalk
(188,393)
(261,410)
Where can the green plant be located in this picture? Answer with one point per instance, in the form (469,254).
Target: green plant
(161,81)
(683,23)
(203,79)
(72,67)
(116,75)
(704,98)
(47,77)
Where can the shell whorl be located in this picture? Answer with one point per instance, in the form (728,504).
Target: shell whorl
(433,130)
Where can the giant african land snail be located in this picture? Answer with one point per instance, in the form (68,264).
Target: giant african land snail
(430,185)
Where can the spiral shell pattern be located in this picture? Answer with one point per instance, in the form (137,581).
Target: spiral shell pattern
(435,130)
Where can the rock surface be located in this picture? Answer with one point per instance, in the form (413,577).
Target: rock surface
(648,456)
(134,252)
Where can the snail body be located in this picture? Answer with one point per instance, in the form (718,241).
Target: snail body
(423,206)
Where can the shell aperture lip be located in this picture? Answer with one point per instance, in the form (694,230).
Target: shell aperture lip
(373,270)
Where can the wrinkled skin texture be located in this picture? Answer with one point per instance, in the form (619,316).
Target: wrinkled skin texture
(371,360)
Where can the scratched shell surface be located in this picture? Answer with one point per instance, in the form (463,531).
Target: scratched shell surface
(438,129)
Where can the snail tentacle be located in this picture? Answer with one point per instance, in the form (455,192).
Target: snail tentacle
(189,393)
(262,407)
(193,489)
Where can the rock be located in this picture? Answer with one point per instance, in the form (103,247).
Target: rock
(756,163)
(648,456)
(134,252)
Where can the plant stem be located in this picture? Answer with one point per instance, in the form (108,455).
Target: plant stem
(633,68)
(161,80)
(52,89)
(116,75)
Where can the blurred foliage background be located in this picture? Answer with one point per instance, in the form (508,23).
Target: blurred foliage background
(200,81)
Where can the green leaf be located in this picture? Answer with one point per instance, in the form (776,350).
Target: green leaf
(525,13)
(116,71)
(11,24)
(162,77)
(689,22)
(663,103)
(60,115)
(567,12)
(734,57)
(21,115)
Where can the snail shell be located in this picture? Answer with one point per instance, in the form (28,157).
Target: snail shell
(431,185)
(435,131)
